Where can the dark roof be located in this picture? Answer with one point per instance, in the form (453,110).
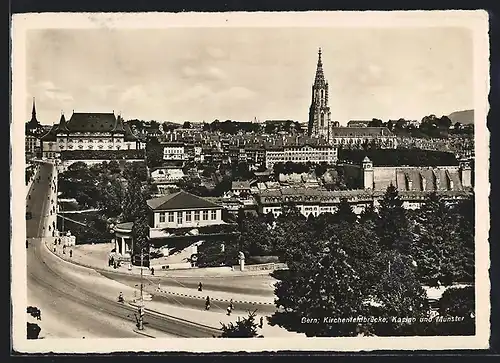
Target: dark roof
(180,200)
(89,122)
(125,226)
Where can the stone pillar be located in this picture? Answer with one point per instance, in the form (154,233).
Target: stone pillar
(242,264)
(123,246)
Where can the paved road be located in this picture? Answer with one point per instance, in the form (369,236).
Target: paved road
(71,298)
(151,284)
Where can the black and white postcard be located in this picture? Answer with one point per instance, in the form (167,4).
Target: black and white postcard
(299,181)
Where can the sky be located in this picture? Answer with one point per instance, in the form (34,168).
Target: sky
(202,74)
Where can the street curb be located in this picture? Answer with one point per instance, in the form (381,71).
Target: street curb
(142,333)
(214,299)
(154,312)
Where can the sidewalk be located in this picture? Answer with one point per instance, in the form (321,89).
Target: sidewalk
(96,256)
(154,287)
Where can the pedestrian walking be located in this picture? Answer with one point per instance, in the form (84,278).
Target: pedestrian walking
(152,271)
(70,253)
(231,306)
(228,310)
(261,322)
(207,303)
(200,287)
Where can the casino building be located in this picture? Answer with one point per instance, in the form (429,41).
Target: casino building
(89,132)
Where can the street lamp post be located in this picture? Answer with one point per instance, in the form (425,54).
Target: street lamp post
(141,306)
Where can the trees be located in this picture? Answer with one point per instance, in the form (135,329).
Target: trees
(397,293)
(392,224)
(255,239)
(323,285)
(436,243)
(458,302)
(134,201)
(154,153)
(244,328)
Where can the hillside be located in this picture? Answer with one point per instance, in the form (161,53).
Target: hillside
(464,117)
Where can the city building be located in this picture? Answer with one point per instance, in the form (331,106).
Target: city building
(312,150)
(319,111)
(95,132)
(356,137)
(181,210)
(420,179)
(174,151)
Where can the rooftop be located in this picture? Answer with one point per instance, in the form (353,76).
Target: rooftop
(180,200)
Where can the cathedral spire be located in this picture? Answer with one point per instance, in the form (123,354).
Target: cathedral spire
(33,111)
(319,80)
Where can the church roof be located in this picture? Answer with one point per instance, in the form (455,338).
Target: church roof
(319,79)
(180,200)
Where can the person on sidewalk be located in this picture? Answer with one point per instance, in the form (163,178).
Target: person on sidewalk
(200,287)
(229,310)
(261,322)
(70,253)
(152,271)
(231,306)
(207,303)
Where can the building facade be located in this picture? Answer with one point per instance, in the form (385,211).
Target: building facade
(181,210)
(357,137)
(453,178)
(174,151)
(319,111)
(302,154)
(89,132)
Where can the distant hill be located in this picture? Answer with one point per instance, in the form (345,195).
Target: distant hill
(464,117)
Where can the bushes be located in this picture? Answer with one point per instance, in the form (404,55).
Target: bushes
(262,259)
(102,154)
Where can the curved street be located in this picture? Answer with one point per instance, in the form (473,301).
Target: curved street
(61,293)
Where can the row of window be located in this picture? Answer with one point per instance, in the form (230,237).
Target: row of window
(188,216)
(90,141)
(89,147)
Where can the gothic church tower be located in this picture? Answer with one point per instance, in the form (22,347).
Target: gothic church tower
(319,112)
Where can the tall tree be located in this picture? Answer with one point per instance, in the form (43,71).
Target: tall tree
(464,220)
(392,225)
(140,235)
(324,284)
(134,202)
(345,213)
(437,247)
